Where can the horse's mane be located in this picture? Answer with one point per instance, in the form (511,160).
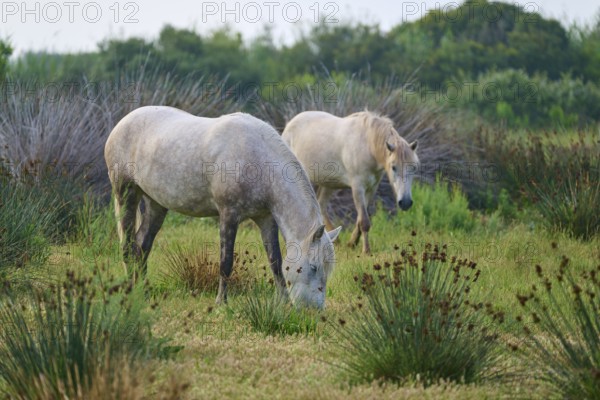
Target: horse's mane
(305,186)
(380,129)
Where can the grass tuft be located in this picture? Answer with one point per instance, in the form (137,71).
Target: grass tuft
(561,322)
(195,269)
(270,313)
(415,321)
(63,341)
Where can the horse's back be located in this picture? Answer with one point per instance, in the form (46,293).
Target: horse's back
(171,124)
(328,145)
(189,163)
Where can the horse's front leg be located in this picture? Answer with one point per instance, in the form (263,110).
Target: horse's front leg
(363,222)
(270,237)
(228,230)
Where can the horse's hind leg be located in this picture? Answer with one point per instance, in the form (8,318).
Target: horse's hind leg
(270,236)
(127,198)
(323,195)
(228,226)
(152,219)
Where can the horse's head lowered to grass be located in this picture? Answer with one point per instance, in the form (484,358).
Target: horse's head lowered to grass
(307,266)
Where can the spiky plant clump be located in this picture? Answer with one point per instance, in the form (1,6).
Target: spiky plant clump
(415,321)
(56,343)
(561,322)
(26,219)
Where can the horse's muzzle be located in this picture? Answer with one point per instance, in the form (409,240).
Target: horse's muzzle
(405,204)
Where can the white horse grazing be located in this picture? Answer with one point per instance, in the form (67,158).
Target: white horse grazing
(234,166)
(353,152)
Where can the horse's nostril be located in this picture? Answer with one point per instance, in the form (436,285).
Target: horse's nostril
(405,204)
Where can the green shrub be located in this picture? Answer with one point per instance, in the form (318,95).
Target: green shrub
(25,219)
(518,99)
(95,228)
(561,321)
(55,342)
(559,178)
(37,210)
(417,322)
(271,314)
(440,207)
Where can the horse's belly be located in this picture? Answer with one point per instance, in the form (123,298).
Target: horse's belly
(189,201)
(326,173)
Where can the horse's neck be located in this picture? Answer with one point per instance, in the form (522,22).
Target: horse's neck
(297,214)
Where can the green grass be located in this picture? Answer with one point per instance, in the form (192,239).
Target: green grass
(271,314)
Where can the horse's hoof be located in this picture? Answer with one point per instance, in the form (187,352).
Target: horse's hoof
(220,301)
(351,245)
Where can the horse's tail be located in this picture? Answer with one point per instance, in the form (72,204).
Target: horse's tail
(139,214)
(118,218)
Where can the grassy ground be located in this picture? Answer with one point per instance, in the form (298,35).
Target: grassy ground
(224,358)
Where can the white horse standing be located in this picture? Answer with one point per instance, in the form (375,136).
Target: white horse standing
(353,152)
(234,166)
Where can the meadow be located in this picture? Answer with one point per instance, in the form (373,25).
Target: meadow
(215,352)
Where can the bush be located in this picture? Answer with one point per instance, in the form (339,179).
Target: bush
(560,180)
(441,207)
(517,99)
(58,343)
(417,322)
(37,211)
(25,219)
(562,325)
(271,314)
(63,134)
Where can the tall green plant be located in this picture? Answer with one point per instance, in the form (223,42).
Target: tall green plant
(55,342)
(417,321)
(560,178)
(25,219)
(561,321)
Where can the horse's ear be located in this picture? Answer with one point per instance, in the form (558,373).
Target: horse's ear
(318,233)
(334,233)
(414,145)
(390,147)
